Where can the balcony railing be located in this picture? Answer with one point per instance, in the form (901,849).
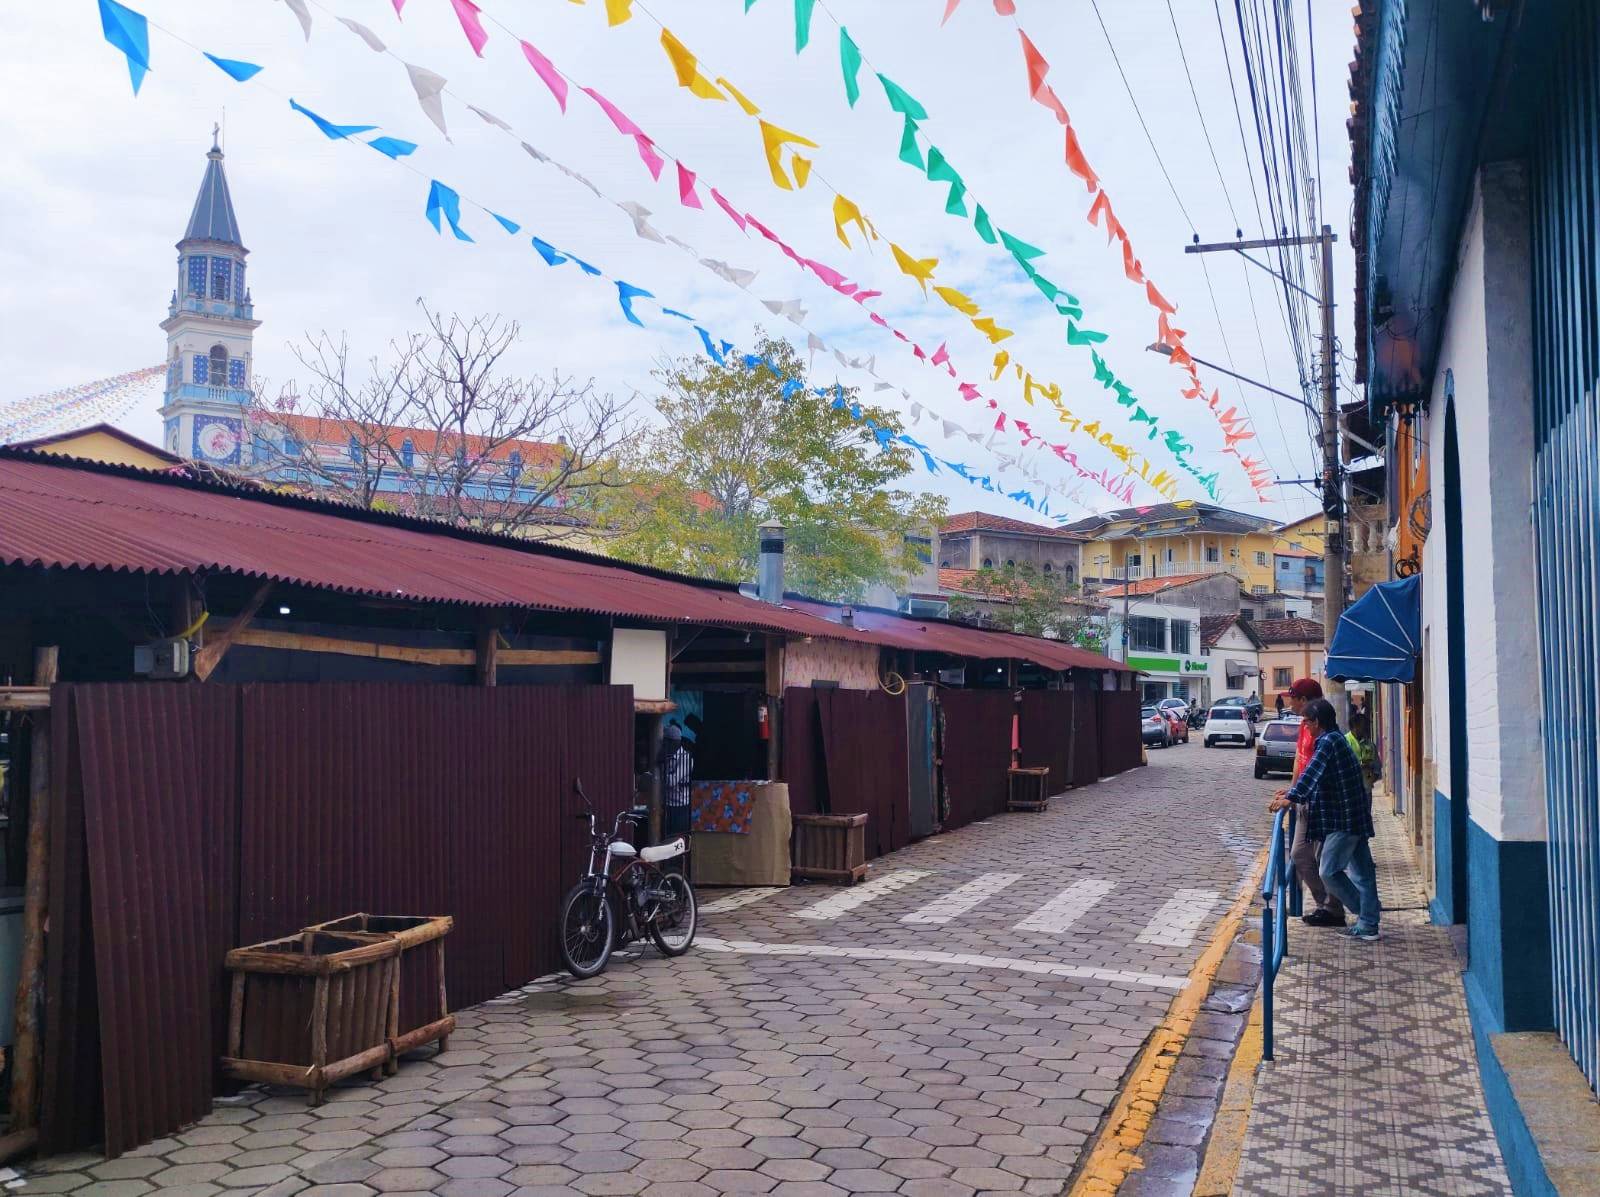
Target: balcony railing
(1164,569)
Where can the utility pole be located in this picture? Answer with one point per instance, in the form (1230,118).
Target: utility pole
(1335,549)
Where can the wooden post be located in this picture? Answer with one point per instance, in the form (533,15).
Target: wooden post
(208,657)
(774,698)
(488,657)
(35,912)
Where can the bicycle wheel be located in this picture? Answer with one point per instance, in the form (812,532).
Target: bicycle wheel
(588,931)
(676,915)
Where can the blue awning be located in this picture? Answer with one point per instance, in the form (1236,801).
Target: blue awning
(1379,637)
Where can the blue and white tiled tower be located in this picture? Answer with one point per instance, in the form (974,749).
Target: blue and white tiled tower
(210,325)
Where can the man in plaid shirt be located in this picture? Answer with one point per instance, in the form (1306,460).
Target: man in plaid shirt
(1333,800)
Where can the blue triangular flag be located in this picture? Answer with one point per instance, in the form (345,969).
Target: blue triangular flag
(329,129)
(444,200)
(712,351)
(128,32)
(791,386)
(584,266)
(393,147)
(239,70)
(751,361)
(548,253)
(509,226)
(678,314)
(626,294)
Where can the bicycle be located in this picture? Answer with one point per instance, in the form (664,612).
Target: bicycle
(636,894)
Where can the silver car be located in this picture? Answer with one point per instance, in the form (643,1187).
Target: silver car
(1275,752)
(1230,725)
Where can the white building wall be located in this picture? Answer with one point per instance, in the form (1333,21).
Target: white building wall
(1493,405)
(1232,645)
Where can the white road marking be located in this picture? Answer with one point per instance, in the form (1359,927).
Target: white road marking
(847,900)
(1067,907)
(963,898)
(1180,918)
(1047,968)
(743,897)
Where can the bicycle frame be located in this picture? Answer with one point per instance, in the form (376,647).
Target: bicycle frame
(618,884)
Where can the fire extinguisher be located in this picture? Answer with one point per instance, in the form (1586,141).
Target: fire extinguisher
(763,725)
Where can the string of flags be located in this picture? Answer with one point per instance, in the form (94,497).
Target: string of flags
(560,84)
(99,401)
(791,170)
(443,208)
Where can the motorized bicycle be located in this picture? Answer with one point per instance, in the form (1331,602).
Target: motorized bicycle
(624,896)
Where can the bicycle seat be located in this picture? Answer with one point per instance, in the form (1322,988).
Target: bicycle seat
(663,851)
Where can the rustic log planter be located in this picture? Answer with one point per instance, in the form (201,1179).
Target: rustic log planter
(1028,788)
(421,1008)
(830,848)
(311,1009)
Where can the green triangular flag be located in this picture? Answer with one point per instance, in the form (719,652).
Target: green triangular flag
(956,204)
(849,62)
(749,4)
(910,154)
(1046,288)
(938,169)
(1020,248)
(1125,395)
(1140,416)
(1083,336)
(980,221)
(900,100)
(802,23)
(1102,372)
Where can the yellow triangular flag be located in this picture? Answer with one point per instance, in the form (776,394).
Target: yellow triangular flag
(958,301)
(845,212)
(686,68)
(773,139)
(1000,358)
(920,269)
(802,169)
(988,328)
(618,11)
(744,100)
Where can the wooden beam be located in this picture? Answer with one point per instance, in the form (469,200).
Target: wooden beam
(654,706)
(24,698)
(752,667)
(35,912)
(215,648)
(307,642)
(488,650)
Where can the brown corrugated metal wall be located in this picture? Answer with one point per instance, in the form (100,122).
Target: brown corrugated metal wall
(1044,734)
(1119,730)
(864,744)
(1085,736)
(804,766)
(332,799)
(977,752)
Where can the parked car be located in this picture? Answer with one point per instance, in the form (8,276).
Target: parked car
(1179,721)
(1175,704)
(1275,749)
(1230,725)
(1155,728)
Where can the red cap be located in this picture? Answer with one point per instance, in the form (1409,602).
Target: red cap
(1305,688)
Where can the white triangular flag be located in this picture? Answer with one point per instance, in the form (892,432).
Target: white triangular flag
(684,245)
(535,154)
(951,429)
(739,278)
(789,309)
(641,221)
(302,14)
(840,357)
(365,34)
(491,118)
(916,412)
(883,386)
(576,177)
(428,87)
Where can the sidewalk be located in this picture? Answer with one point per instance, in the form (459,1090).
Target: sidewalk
(1375,1088)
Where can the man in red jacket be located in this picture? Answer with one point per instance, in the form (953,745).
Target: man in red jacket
(1307,852)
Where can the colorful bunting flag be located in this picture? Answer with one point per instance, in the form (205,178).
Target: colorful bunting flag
(543,67)
(626,294)
(444,200)
(429,88)
(687,68)
(393,147)
(241,71)
(802,23)
(471,24)
(850,64)
(329,129)
(129,32)
(773,139)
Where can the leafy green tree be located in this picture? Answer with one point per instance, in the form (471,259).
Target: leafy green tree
(1020,598)
(733,452)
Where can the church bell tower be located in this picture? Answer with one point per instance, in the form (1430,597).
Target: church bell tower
(210,326)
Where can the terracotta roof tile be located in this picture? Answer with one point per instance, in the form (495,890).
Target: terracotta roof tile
(983,521)
(1293,630)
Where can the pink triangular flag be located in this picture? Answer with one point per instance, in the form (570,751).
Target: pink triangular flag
(969,392)
(545,69)
(619,118)
(471,24)
(949,9)
(940,355)
(686,191)
(916,350)
(1000,422)
(652,160)
(877,319)
(398,5)
(733,213)
(1006,8)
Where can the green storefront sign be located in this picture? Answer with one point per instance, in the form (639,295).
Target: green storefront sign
(1180,665)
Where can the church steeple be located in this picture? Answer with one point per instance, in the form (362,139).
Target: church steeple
(210,324)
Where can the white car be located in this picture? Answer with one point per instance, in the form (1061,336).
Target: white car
(1175,704)
(1230,725)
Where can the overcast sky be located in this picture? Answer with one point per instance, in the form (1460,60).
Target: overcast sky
(99,185)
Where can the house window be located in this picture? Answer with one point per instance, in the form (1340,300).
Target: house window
(1180,636)
(408,452)
(1072,574)
(238,282)
(988,563)
(1010,564)
(1258,590)
(1046,567)
(219,366)
(1213,553)
(1261,558)
(221,278)
(1169,556)
(1147,633)
(236,372)
(197,275)
(922,546)
(1281,679)
(355,450)
(200,369)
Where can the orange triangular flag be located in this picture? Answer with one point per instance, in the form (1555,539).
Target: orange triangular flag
(1131,265)
(1077,163)
(1038,68)
(1158,300)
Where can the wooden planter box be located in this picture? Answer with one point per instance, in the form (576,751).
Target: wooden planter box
(422,1010)
(1028,788)
(830,848)
(311,1009)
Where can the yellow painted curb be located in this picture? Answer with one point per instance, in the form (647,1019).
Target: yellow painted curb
(1221,1164)
(1114,1152)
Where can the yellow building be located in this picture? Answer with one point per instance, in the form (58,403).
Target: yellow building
(1169,540)
(102,442)
(1308,535)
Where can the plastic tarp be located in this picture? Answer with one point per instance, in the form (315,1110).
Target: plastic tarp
(1379,637)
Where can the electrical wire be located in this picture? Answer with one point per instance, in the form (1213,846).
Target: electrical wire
(1205,129)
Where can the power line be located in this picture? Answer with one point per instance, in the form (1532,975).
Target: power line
(1205,131)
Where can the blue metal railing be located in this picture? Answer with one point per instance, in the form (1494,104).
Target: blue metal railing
(1280,898)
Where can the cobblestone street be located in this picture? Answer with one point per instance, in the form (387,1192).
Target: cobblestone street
(959,1023)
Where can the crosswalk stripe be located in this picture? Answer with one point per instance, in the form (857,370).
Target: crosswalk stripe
(1180,918)
(848,899)
(962,899)
(1067,907)
(744,897)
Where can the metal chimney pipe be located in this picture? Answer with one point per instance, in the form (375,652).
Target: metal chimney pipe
(769,578)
